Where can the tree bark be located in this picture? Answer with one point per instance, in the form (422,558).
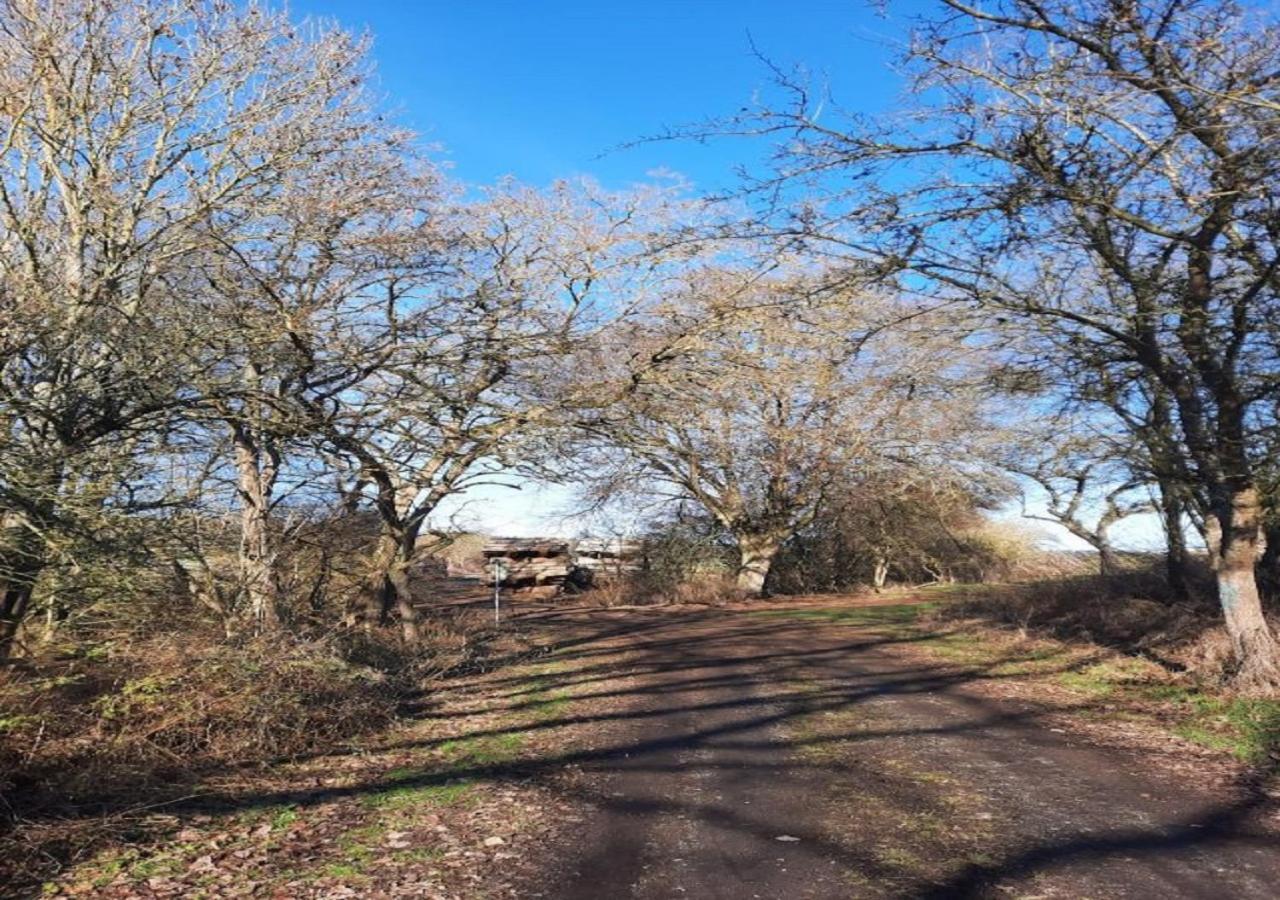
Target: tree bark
(402,592)
(259,572)
(392,589)
(1108,562)
(20,567)
(13,611)
(879,573)
(1269,563)
(1256,649)
(1213,542)
(1177,560)
(755,558)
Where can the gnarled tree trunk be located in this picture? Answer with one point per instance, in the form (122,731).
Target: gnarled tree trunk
(256,470)
(1239,519)
(755,557)
(1108,561)
(22,560)
(391,588)
(1177,559)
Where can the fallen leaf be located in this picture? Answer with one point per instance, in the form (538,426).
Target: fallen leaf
(203,864)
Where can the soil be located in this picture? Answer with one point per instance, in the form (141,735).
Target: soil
(756,751)
(767,756)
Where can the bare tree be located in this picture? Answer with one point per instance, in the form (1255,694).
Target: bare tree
(137,139)
(338,246)
(1104,171)
(472,350)
(1087,484)
(785,388)
(916,525)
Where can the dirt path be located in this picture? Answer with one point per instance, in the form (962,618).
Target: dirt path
(760,755)
(809,751)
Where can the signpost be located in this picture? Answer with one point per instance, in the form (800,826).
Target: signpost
(499,575)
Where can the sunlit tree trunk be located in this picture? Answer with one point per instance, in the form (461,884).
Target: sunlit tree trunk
(755,557)
(879,572)
(1108,561)
(1240,523)
(256,471)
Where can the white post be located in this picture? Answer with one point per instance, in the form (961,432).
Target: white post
(499,572)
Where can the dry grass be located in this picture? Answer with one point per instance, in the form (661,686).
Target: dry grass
(708,590)
(155,712)
(91,739)
(160,710)
(1129,612)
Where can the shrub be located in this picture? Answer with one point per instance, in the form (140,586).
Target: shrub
(166,708)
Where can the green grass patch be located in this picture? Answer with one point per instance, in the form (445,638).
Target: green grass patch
(883,615)
(1106,678)
(107,871)
(358,844)
(1247,728)
(345,872)
(486,750)
(549,706)
(283,818)
(154,866)
(396,794)
(419,855)
(899,858)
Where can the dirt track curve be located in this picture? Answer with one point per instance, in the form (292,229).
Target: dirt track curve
(763,756)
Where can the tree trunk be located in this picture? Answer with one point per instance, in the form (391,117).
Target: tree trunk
(1213,541)
(1177,560)
(755,557)
(255,484)
(402,592)
(1269,564)
(879,573)
(1108,562)
(13,611)
(1256,650)
(392,588)
(20,567)
(379,596)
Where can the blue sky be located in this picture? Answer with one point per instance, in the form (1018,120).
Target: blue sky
(554,88)
(547,89)
(541,90)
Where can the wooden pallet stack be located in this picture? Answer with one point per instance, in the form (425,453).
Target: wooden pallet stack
(608,557)
(530,562)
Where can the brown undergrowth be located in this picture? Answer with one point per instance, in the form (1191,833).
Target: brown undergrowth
(95,737)
(1128,613)
(1126,661)
(1072,656)
(435,806)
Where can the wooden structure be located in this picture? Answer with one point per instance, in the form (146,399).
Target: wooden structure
(530,562)
(608,557)
(545,566)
